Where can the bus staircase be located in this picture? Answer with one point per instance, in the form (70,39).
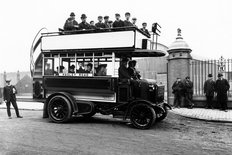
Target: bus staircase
(36,65)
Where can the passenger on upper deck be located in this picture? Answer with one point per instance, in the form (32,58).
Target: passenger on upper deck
(118,22)
(144,29)
(122,71)
(92,25)
(84,25)
(110,23)
(127,21)
(71,24)
(106,22)
(132,70)
(101,70)
(100,24)
(134,21)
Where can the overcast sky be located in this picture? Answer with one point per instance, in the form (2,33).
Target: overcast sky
(206,24)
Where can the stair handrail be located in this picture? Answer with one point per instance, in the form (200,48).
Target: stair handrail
(33,48)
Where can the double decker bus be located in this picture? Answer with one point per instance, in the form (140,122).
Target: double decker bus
(76,74)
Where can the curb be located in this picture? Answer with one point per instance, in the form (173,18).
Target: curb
(23,109)
(201,119)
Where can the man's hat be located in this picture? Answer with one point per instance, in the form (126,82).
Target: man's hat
(106,17)
(210,75)
(144,23)
(134,18)
(99,17)
(127,13)
(83,16)
(220,75)
(8,80)
(72,14)
(117,14)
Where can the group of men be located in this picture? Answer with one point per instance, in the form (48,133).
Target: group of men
(71,24)
(183,92)
(220,87)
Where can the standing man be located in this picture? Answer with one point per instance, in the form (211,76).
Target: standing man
(9,97)
(84,25)
(118,22)
(221,87)
(209,87)
(127,22)
(106,21)
(144,29)
(177,89)
(134,20)
(71,24)
(100,24)
(188,92)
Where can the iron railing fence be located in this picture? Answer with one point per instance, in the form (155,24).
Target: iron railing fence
(199,71)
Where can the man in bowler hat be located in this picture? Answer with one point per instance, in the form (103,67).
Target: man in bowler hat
(221,87)
(9,97)
(71,24)
(209,87)
(84,25)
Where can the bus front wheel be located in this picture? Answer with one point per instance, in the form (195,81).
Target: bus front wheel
(59,109)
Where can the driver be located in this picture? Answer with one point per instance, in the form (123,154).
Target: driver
(122,71)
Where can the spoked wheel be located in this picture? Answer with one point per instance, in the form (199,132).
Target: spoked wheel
(142,116)
(59,109)
(162,115)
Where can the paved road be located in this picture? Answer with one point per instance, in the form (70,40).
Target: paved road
(104,135)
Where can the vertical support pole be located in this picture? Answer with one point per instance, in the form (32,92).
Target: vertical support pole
(113,62)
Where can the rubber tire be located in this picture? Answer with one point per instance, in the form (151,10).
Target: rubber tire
(68,107)
(152,113)
(158,119)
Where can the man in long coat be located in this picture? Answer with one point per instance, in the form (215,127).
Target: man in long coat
(9,97)
(209,88)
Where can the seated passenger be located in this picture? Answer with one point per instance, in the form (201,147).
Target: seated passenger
(81,68)
(144,29)
(101,70)
(118,22)
(127,22)
(92,25)
(48,70)
(122,71)
(72,69)
(106,22)
(71,24)
(100,24)
(89,68)
(132,70)
(110,23)
(84,25)
(134,21)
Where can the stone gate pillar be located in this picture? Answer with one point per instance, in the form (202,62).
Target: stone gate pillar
(178,62)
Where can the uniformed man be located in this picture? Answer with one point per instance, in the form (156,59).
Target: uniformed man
(118,22)
(127,22)
(106,21)
(188,92)
(209,88)
(9,96)
(177,90)
(134,20)
(221,87)
(71,24)
(100,24)
(144,29)
(92,25)
(123,71)
(84,25)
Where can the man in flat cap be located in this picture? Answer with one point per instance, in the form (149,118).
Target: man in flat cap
(9,96)
(221,88)
(84,25)
(118,22)
(134,20)
(100,24)
(144,29)
(127,22)
(106,22)
(209,88)
(71,24)
(188,92)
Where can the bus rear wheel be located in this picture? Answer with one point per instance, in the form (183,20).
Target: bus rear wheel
(59,109)
(142,116)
